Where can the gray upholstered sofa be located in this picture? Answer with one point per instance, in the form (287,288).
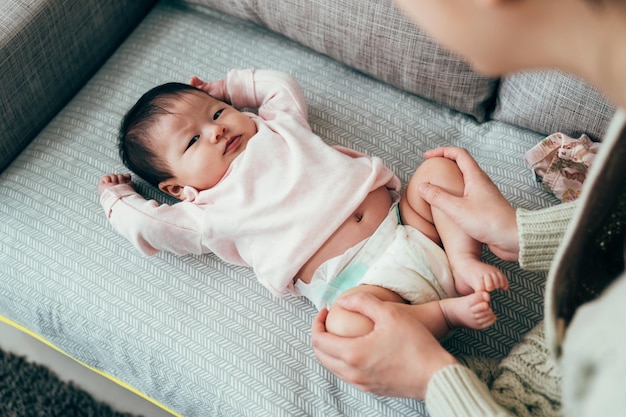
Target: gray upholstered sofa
(191,333)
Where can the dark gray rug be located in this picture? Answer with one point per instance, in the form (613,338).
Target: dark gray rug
(31,390)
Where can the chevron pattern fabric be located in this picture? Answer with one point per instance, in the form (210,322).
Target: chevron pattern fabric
(199,336)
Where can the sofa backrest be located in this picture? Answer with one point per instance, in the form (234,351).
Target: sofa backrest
(376,38)
(48,50)
(44,63)
(551,101)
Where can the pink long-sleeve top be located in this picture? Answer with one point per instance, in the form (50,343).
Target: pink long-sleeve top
(279,201)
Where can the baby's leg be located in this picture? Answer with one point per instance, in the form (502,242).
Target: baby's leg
(464,253)
(439,317)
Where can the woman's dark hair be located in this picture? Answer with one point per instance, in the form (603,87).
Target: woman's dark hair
(134,136)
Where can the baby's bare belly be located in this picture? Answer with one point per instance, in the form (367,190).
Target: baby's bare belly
(360,225)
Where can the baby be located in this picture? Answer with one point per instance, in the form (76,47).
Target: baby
(262,190)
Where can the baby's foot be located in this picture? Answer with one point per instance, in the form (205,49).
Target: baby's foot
(472,275)
(471,311)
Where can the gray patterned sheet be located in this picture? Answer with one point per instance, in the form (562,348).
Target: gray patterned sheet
(194,334)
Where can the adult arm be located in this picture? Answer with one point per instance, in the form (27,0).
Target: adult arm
(419,367)
(376,362)
(457,391)
(482,211)
(541,233)
(530,237)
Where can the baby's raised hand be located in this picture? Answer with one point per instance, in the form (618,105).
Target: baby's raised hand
(112,179)
(216,89)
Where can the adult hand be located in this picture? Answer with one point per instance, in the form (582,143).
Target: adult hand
(398,358)
(482,211)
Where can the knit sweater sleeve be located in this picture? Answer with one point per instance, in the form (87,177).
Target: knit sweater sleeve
(540,233)
(457,391)
(527,383)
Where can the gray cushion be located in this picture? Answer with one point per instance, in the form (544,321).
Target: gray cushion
(374,37)
(48,50)
(552,101)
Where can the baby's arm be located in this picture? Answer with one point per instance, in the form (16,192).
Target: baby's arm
(151,227)
(272,92)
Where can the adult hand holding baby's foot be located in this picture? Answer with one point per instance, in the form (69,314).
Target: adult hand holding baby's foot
(110,180)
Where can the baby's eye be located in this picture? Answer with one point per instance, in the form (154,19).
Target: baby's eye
(217,114)
(192,141)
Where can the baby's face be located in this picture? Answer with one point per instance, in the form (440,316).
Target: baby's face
(199,140)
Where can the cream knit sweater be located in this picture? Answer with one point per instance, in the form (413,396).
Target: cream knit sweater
(587,379)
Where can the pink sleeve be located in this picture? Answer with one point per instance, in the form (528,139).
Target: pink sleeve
(153,227)
(272,92)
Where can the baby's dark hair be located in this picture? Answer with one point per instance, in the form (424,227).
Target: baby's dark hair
(134,142)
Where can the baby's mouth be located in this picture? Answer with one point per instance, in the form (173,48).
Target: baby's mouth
(232,144)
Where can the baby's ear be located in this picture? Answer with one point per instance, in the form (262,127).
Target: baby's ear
(172,188)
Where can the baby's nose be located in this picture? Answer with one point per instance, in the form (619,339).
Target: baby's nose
(219,132)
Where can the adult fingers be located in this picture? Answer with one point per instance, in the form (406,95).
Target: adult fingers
(459,155)
(437,197)
(324,344)
(319,323)
(331,350)
(467,164)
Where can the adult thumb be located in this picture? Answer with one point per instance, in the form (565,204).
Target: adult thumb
(435,196)
(362,303)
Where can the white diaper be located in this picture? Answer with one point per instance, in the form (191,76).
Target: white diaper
(397,257)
